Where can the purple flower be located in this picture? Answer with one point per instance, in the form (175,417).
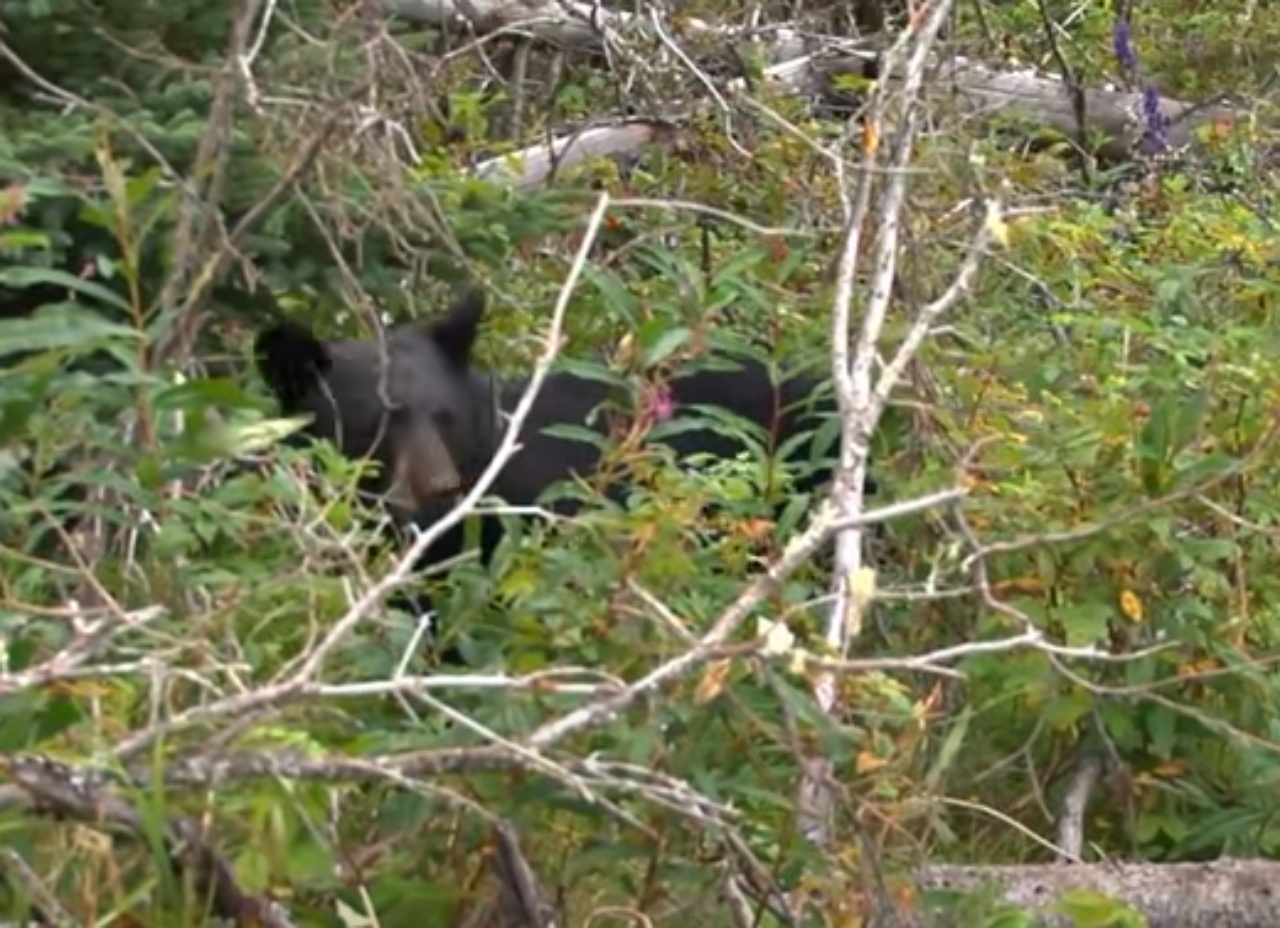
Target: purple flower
(1122,42)
(1155,135)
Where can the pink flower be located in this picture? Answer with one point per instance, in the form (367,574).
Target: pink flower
(661,403)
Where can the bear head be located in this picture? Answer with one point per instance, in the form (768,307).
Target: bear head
(408,399)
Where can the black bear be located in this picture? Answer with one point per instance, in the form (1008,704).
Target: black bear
(409,400)
(412,401)
(795,406)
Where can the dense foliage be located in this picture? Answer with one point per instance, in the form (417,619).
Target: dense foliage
(1106,395)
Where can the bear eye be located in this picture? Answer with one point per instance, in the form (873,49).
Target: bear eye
(445,421)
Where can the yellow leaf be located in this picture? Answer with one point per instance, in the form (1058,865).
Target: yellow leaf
(712,681)
(867,762)
(1131,605)
(754,529)
(625,351)
(1198,667)
(996,225)
(870,138)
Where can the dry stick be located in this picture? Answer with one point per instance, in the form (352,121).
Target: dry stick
(1074,804)
(68,99)
(212,772)
(506,449)
(210,164)
(172,340)
(523,900)
(44,907)
(236,766)
(815,799)
(207,771)
(513,746)
(217,771)
(302,682)
(87,797)
(906,507)
(277,696)
(798,551)
(65,666)
(860,405)
(726,216)
(982,240)
(90,640)
(1218,726)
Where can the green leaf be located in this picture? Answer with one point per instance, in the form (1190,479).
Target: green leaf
(1089,909)
(1162,731)
(659,340)
(61,326)
(591,370)
(1066,710)
(23,239)
(206,440)
(1186,418)
(207,393)
(616,294)
(1009,919)
(951,745)
(1153,448)
(32,276)
(577,433)
(1085,623)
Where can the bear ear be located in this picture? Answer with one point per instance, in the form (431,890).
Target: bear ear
(455,333)
(290,360)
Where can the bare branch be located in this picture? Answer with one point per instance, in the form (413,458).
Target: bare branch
(1074,805)
(89,798)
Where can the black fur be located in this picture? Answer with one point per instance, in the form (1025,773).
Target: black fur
(368,408)
(387,398)
(796,406)
(747,391)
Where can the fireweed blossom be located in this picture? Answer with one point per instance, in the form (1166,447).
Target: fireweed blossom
(662,403)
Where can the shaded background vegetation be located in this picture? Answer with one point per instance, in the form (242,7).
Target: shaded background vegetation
(1116,366)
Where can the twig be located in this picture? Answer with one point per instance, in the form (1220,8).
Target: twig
(860,404)
(1074,805)
(523,899)
(87,796)
(91,639)
(47,910)
(302,681)
(1091,529)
